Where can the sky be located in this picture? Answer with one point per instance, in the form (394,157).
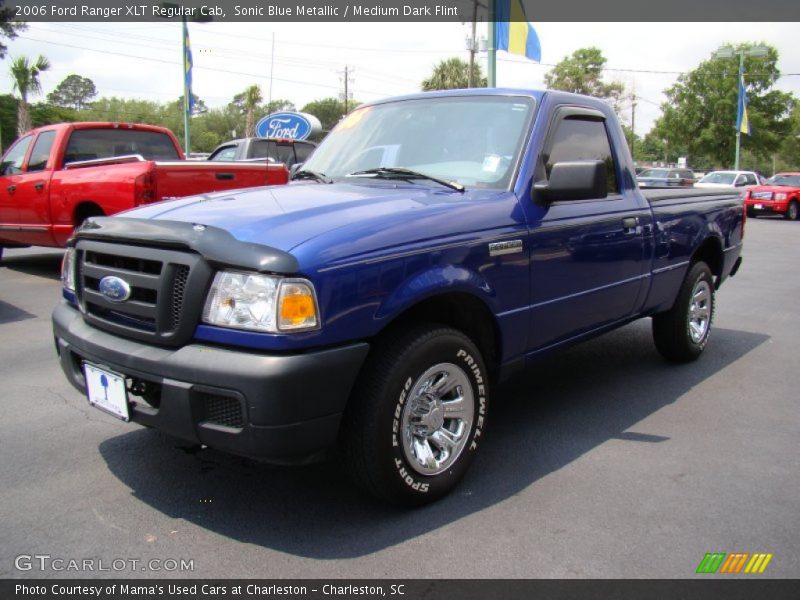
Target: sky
(143,60)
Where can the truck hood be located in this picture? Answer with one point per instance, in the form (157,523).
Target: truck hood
(284,217)
(775,189)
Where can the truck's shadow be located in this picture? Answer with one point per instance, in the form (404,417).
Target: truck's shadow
(47,264)
(562,408)
(11,314)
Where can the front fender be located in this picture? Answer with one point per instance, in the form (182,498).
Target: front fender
(434,282)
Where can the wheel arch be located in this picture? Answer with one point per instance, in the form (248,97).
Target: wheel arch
(711,253)
(85,209)
(461,310)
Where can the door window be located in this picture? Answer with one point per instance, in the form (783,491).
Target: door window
(227,153)
(578,139)
(41,151)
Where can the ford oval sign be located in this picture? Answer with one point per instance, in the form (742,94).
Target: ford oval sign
(114,288)
(288,125)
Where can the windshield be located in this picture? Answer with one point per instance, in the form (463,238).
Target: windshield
(660,173)
(724,178)
(472,140)
(784,180)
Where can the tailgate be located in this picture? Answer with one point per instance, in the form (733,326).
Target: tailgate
(187,178)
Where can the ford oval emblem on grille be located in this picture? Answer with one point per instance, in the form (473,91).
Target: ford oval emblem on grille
(114,288)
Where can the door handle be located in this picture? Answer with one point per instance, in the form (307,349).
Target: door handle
(225,176)
(39,186)
(630,225)
(11,189)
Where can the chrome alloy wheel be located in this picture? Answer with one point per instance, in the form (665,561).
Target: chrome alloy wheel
(700,311)
(437,418)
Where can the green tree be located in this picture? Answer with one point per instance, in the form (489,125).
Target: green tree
(788,157)
(43,113)
(700,112)
(8,27)
(328,110)
(451,74)
(248,102)
(582,73)
(74,92)
(25,76)
(278,105)
(8,120)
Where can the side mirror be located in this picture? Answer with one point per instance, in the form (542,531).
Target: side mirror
(294,169)
(578,180)
(740,183)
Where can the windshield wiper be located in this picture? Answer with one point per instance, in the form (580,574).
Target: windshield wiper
(402,173)
(309,174)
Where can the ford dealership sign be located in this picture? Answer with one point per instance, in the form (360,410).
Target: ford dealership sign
(291,125)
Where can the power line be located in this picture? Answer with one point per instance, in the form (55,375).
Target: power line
(229,53)
(170,62)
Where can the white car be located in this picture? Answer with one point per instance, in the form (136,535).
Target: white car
(729,179)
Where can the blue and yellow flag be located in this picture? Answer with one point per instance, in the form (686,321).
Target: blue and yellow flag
(188,99)
(513,32)
(742,119)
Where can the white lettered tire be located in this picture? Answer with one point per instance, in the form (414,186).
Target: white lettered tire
(417,415)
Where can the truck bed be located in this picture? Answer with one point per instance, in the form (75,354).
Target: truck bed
(658,195)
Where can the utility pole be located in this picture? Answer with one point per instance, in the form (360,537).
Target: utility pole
(473,46)
(347,80)
(491,66)
(271,68)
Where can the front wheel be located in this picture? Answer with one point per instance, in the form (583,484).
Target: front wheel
(793,212)
(681,334)
(417,415)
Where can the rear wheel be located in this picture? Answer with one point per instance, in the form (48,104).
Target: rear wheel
(751,214)
(793,211)
(417,415)
(681,334)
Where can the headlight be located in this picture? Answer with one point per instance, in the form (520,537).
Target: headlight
(780,196)
(68,269)
(261,303)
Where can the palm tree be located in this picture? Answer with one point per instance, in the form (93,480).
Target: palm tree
(451,74)
(252,98)
(26,81)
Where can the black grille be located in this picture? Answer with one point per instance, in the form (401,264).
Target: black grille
(166,290)
(221,410)
(178,290)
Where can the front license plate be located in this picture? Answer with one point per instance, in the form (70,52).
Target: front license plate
(759,206)
(106,391)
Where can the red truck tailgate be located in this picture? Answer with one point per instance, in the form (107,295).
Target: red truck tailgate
(185,178)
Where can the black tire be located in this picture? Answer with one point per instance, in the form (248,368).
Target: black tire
(793,212)
(751,214)
(678,336)
(386,404)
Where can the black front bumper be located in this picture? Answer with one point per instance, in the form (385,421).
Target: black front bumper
(278,408)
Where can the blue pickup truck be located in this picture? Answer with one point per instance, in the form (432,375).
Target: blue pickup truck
(433,245)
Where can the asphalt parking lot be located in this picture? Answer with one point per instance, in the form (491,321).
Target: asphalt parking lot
(603,461)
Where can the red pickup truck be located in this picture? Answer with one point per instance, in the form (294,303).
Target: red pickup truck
(56,176)
(779,195)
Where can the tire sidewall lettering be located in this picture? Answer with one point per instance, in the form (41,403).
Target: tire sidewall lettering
(464,358)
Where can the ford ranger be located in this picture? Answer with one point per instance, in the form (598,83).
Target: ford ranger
(431,246)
